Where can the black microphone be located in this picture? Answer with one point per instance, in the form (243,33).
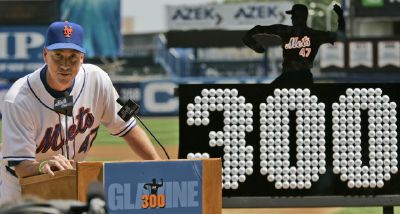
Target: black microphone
(130,109)
(95,199)
(64,105)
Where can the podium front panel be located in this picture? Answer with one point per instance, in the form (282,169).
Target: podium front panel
(155,187)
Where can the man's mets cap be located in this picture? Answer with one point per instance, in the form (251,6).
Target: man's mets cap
(298,10)
(65,35)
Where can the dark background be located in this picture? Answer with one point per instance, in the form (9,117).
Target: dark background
(195,139)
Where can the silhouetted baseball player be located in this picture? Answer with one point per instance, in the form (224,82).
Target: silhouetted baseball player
(154,186)
(299,43)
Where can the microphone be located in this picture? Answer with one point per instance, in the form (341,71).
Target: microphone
(95,199)
(130,109)
(64,105)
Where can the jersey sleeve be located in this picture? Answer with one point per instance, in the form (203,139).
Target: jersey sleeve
(277,29)
(250,41)
(110,119)
(17,134)
(326,37)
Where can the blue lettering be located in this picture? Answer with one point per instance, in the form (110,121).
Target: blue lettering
(115,198)
(180,194)
(193,194)
(139,193)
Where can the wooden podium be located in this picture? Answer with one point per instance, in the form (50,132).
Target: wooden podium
(73,184)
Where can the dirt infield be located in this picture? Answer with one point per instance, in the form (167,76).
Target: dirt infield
(123,152)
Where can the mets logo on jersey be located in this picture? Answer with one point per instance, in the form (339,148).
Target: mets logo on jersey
(303,43)
(67,30)
(85,121)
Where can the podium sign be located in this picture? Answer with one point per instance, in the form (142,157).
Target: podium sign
(163,187)
(168,187)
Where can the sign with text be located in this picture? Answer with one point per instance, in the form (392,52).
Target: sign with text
(327,145)
(21,51)
(227,16)
(360,54)
(389,53)
(332,55)
(170,187)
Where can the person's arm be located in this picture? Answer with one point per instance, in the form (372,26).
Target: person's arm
(32,167)
(248,38)
(141,144)
(341,31)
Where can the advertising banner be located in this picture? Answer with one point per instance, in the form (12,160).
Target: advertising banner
(332,55)
(21,50)
(361,54)
(101,20)
(227,16)
(389,53)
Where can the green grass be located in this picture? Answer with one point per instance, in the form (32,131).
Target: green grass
(165,129)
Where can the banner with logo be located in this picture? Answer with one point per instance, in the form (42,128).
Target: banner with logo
(389,53)
(332,55)
(101,20)
(173,187)
(360,54)
(227,16)
(21,50)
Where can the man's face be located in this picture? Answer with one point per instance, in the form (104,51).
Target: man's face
(62,67)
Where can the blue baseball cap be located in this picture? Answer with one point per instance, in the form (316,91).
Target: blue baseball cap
(65,35)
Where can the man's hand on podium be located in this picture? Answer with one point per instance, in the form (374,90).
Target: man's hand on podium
(29,168)
(55,163)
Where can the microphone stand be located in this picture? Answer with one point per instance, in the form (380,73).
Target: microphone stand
(66,135)
(129,109)
(148,130)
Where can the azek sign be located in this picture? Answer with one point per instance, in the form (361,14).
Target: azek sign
(227,16)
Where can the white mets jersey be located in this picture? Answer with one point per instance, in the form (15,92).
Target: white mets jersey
(32,130)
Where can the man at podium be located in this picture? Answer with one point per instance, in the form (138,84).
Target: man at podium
(51,116)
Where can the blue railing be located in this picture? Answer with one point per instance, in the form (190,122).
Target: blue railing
(176,62)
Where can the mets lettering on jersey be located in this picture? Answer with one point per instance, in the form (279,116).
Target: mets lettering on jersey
(85,121)
(172,187)
(295,42)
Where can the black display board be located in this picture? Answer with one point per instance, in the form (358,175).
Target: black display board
(338,126)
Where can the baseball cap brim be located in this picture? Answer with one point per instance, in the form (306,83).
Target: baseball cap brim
(58,46)
(289,12)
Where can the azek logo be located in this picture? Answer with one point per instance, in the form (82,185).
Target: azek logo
(183,194)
